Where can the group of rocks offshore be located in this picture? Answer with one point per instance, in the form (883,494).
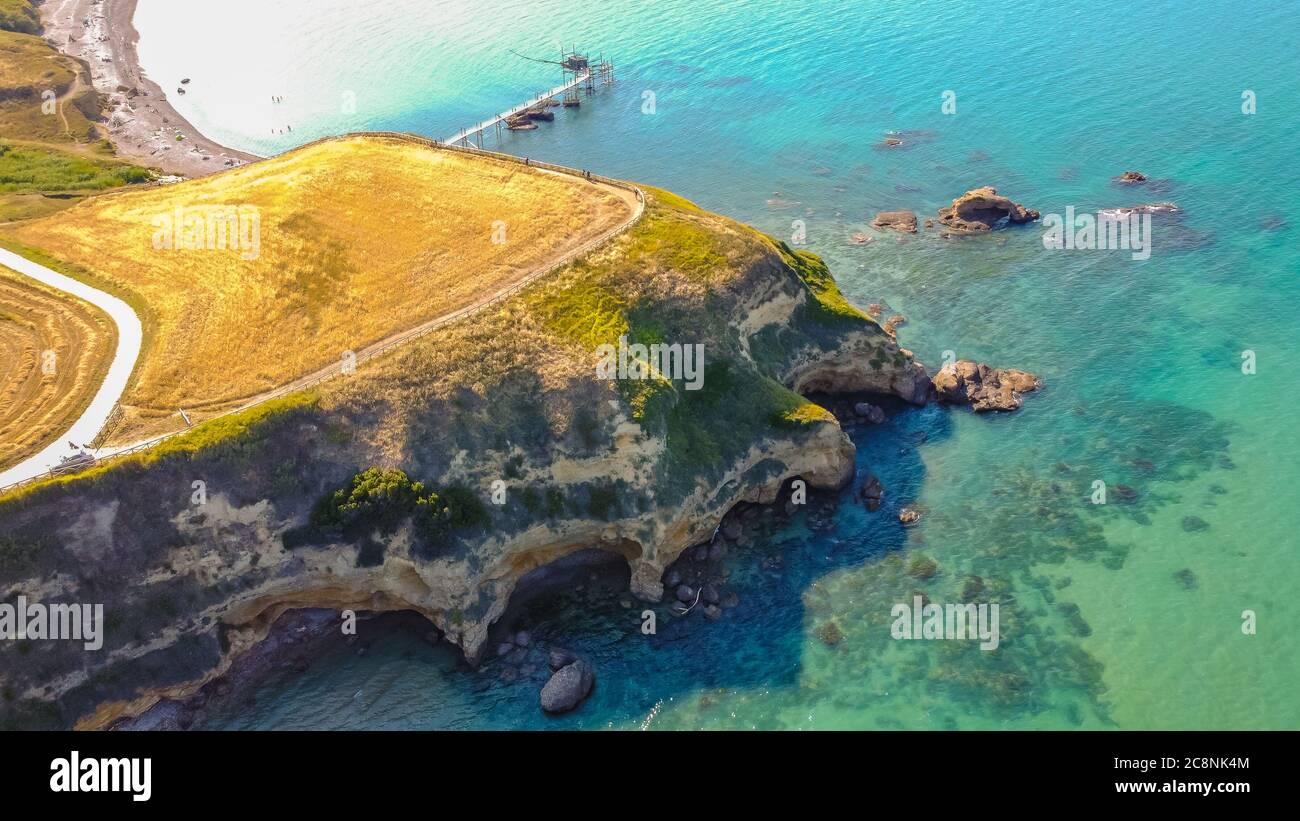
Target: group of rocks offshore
(980,209)
(984,209)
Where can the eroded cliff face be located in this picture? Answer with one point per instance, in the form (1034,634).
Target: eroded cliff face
(187,548)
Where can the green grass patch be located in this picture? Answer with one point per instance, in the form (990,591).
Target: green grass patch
(588,312)
(29,169)
(828,305)
(680,244)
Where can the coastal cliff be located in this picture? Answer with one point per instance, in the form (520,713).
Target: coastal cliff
(436,477)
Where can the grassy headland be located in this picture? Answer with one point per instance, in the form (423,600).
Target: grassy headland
(327,249)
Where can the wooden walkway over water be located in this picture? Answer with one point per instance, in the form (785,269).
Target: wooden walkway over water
(464,137)
(579,72)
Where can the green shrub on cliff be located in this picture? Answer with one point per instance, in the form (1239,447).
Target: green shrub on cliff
(381,499)
(374,498)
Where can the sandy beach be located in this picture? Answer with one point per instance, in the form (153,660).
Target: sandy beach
(140,121)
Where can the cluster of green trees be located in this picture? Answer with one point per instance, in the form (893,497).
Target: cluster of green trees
(381,499)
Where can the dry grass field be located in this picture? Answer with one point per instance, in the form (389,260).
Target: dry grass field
(36,406)
(29,68)
(355,240)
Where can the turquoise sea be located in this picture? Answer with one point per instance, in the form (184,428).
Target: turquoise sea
(1124,615)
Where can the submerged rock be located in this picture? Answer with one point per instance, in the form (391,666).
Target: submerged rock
(982,387)
(731,529)
(1125,493)
(559,657)
(830,634)
(981,209)
(568,687)
(1149,208)
(710,594)
(922,567)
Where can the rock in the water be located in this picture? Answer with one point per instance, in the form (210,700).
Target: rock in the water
(1125,492)
(904,221)
(673,579)
(716,551)
(710,594)
(982,209)
(1186,578)
(712,612)
(505,648)
(523,639)
(685,594)
(1195,524)
(922,385)
(1131,177)
(982,387)
(731,529)
(909,515)
(567,687)
(1117,214)
(559,657)
(830,633)
(872,493)
(922,567)
(872,413)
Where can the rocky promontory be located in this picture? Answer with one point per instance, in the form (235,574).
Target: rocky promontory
(436,477)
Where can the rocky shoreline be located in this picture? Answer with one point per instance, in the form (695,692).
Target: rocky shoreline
(689,579)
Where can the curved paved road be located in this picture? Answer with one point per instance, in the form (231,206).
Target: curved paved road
(129,335)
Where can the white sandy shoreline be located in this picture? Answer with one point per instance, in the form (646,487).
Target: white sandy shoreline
(140,121)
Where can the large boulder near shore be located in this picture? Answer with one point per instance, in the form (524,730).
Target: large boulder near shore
(904,221)
(981,209)
(983,388)
(872,413)
(568,687)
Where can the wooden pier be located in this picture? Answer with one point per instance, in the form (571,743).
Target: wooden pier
(580,75)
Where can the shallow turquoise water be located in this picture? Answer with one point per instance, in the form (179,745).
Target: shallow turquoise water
(1123,615)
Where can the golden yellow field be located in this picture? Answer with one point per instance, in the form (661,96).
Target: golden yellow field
(260,275)
(54,352)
